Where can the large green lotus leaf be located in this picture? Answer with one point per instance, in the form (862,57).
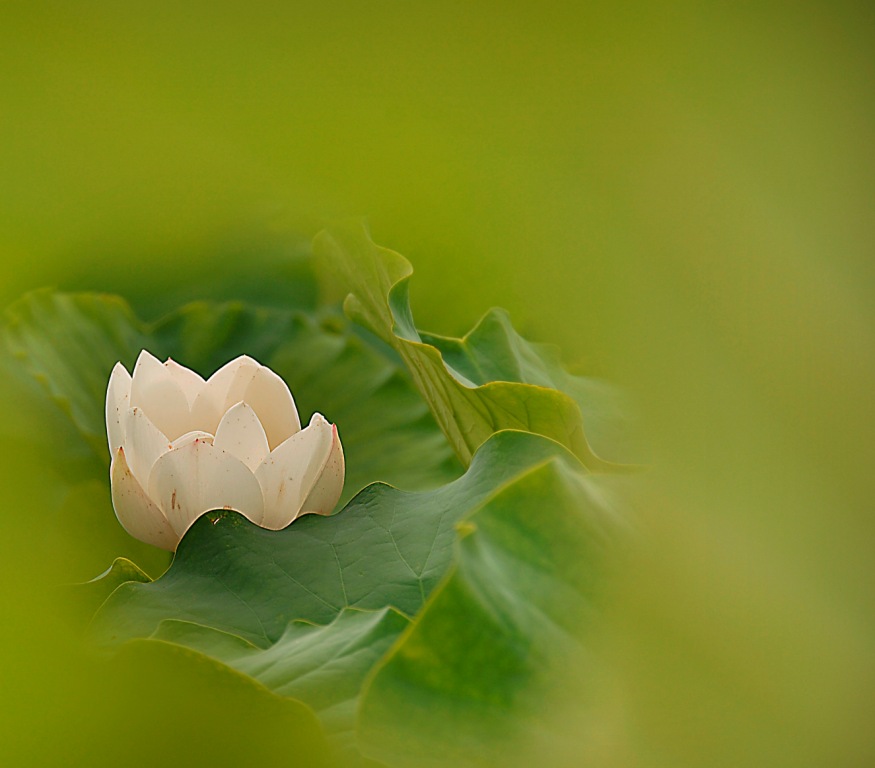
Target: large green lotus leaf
(323,666)
(470,682)
(491,380)
(62,347)
(385,548)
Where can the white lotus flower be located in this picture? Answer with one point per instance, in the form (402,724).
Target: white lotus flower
(182,446)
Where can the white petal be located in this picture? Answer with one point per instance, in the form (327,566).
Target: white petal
(269,396)
(189,382)
(154,390)
(190,437)
(222,390)
(288,475)
(144,443)
(118,394)
(329,485)
(196,478)
(230,381)
(146,360)
(138,515)
(241,434)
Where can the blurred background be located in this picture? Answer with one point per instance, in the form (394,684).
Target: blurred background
(680,195)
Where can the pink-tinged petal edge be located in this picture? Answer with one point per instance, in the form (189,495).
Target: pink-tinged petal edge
(290,473)
(329,485)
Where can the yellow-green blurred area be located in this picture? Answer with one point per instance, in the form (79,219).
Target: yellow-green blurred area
(681,195)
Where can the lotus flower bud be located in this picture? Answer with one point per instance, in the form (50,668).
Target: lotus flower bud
(182,446)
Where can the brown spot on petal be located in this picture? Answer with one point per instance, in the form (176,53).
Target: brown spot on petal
(173,501)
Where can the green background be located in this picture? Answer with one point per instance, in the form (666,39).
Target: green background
(680,195)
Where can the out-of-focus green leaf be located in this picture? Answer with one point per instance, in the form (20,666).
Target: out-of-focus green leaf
(501,381)
(385,548)
(69,343)
(56,352)
(323,666)
(469,683)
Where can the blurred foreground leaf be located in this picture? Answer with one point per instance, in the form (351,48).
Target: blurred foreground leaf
(323,666)
(209,714)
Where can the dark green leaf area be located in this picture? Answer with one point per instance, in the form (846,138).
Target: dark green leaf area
(77,603)
(323,666)
(469,683)
(385,548)
(204,336)
(262,269)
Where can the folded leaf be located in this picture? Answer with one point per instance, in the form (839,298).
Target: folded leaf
(487,382)
(494,351)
